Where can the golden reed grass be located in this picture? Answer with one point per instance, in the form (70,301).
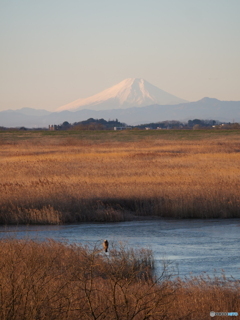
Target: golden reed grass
(113,176)
(51,280)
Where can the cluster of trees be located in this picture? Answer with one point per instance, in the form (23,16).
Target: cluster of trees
(180,125)
(198,124)
(202,123)
(162,125)
(91,124)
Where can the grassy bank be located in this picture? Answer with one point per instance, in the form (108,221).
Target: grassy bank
(51,280)
(65,177)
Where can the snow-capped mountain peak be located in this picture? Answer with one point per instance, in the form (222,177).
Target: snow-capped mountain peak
(131,92)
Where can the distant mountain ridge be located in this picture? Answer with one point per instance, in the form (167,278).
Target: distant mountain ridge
(131,92)
(206,108)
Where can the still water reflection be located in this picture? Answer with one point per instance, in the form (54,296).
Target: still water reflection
(194,246)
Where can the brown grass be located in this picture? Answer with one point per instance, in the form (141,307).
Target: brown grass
(52,280)
(111,176)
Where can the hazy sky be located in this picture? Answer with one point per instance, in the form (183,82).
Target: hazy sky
(56,51)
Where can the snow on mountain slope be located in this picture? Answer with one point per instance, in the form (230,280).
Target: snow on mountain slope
(128,93)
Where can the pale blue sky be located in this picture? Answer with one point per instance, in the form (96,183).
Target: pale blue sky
(56,51)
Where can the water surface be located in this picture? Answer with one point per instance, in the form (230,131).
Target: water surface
(192,246)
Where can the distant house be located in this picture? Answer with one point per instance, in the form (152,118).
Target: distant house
(51,127)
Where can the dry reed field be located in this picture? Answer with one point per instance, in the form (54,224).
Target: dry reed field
(66,177)
(55,281)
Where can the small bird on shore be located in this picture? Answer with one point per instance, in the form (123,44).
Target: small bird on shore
(105,245)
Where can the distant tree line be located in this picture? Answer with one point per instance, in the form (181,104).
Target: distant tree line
(90,124)
(101,124)
(202,123)
(179,125)
(162,125)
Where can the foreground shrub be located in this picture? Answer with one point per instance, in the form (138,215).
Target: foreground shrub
(56,281)
(52,280)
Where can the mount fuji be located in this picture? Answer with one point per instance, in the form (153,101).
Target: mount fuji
(133,101)
(131,92)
